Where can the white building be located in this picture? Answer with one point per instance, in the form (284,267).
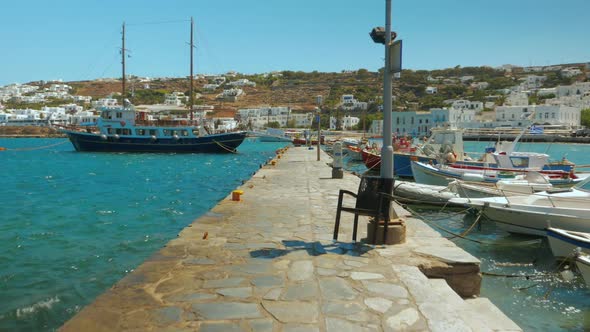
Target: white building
(419,123)
(230,94)
(346,123)
(175,99)
(82,99)
(570,72)
(515,116)
(242,82)
(104,102)
(578,88)
(431,90)
(85,117)
(259,118)
(466,78)
(210,87)
(225,124)
(467,105)
(349,103)
(517,99)
(480,85)
(534,81)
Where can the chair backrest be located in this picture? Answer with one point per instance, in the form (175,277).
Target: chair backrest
(368,194)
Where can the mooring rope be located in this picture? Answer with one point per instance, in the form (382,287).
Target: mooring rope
(34,148)
(497,243)
(225,147)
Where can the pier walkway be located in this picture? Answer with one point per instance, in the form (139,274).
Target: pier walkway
(268,263)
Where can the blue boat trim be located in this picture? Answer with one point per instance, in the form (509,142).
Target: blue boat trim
(569,240)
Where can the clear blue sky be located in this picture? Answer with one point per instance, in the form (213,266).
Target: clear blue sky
(79,39)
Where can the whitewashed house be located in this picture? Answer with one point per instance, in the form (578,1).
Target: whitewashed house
(570,72)
(431,90)
(515,116)
(242,82)
(175,99)
(467,105)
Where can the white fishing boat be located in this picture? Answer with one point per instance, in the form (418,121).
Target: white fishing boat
(441,174)
(273,135)
(583,265)
(564,243)
(566,208)
(531,183)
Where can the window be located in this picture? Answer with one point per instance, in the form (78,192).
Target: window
(184,132)
(166,132)
(426,121)
(119,115)
(140,132)
(397,120)
(520,161)
(153,132)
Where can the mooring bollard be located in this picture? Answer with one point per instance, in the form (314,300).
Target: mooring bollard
(337,172)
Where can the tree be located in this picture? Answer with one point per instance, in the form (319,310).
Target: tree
(585,117)
(273,124)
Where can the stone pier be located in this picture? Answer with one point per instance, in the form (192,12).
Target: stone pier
(268,263)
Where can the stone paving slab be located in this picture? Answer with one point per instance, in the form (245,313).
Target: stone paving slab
(268,263)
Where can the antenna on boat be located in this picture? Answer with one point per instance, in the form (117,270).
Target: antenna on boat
(192,46)
(123,65)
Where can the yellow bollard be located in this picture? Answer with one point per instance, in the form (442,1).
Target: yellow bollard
(235,195)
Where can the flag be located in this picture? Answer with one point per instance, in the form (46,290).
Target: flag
(536,129)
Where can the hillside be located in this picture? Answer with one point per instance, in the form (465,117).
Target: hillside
(299,89)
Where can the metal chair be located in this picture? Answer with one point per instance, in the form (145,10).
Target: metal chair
(373,200)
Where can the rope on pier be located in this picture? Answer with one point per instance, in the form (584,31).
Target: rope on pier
(34,148)
(225,147)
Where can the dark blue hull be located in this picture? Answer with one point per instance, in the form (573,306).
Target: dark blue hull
(402,164)
(217,143)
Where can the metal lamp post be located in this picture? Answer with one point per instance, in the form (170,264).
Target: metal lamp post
(387,149)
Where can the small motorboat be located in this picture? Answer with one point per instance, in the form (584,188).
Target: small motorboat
(563,243)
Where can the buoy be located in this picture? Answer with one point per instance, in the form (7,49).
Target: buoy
(153,138)
(116,137)
(103,137)
(175,137)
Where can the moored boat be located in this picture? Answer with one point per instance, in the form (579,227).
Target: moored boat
(120,129)
(583,265)
(564,242)
(565,208)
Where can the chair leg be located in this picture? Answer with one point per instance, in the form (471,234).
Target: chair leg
(337,223)
(385,227)
(355,226)
(376,228)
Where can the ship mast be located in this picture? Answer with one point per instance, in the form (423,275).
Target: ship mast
(191,74)
(123,63)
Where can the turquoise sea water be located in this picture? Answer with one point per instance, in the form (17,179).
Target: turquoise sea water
(539,299)
(72,224)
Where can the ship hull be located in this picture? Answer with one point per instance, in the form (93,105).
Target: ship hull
(217,143)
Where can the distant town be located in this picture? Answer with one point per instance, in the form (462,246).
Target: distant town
(553,97)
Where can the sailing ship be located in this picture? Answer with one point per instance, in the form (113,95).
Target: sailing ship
(120,129)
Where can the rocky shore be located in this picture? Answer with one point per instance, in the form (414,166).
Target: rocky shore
(29,131)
